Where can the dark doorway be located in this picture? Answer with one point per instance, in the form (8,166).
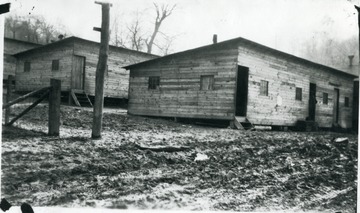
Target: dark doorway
(242,91)
(355,117)
(312,102)
(336,105)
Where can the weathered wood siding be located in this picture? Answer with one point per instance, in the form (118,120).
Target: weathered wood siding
(116,83)
(116,80)
(179,93)
(41,68)
(12,46)
(9,66)
(284,75)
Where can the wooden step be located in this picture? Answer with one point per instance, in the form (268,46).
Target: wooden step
(243,123)
(80,98)
(240,118)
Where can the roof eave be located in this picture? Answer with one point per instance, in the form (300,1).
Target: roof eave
(238,41)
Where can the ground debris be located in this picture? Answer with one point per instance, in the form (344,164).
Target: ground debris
(244,170)
(163,148)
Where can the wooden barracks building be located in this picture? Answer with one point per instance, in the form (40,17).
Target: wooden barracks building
(73,61)
(243,82)
(11,47)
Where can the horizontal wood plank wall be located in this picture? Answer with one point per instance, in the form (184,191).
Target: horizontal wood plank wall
(179,93)
(12,47)
(284,75)
(9,66)
(41,65)
(116,83)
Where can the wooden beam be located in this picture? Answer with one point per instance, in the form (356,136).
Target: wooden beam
(4,8)
(27,109)
(164,148)
(9,87)
(54,107)
(100,73)
(25,97)
(97,29)
(103,3)
(75,98)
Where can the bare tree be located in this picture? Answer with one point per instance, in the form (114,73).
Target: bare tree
(47,30)
(12,25)
(32,28)
(328,51)
(35,27)
(136,38)
(165,47)
(118,39)
(161,14)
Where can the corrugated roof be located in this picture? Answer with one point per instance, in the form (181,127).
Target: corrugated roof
(246,43)
(76,39)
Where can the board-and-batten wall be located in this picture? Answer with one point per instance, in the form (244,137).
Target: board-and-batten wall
(40,68)
(284,75)
(179,93)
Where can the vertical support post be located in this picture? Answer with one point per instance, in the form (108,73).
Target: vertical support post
(9,87)
(54,107)
(358,10)
(100,72)
(358,190)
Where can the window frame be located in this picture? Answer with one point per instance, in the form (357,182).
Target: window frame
(55,65)
(264,85)
(154,82)
(347,102)
(298,93)
(325,98)
(27,66)
(211,82)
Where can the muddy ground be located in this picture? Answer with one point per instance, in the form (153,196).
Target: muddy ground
(245,170)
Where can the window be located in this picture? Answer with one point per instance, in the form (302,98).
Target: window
(264,87)
(154,82)
(27,66)
(55,65)
(207,82)
(346,101)
(325,98)
(298,94)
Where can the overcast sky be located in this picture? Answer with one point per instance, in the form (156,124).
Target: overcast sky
(281,24)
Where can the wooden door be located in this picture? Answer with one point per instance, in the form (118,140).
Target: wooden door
(336,106)
(78,72)
(312,102)
(242,91)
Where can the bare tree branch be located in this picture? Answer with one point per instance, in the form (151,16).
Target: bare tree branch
(161,15)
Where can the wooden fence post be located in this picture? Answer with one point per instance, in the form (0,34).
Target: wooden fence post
(9,87)
(54,107)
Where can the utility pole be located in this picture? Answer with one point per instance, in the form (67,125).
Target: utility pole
(100,70)
(358,9)
(357,185)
